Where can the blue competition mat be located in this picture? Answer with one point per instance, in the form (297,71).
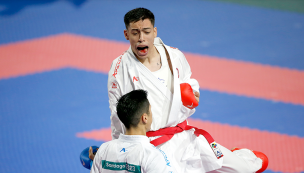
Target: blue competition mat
(41,113)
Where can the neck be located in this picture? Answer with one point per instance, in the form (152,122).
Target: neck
(136,131)
(153,54)
(153,61)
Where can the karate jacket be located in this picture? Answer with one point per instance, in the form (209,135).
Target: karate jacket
(130,154)
(127,73)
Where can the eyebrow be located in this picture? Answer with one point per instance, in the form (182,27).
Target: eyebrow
(138,29)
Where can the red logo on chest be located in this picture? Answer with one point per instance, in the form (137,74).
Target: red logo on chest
(135,78)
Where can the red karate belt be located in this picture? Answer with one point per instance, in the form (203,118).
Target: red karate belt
(167,133)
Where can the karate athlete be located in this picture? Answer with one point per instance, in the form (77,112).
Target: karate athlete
(132,151)
(161,70)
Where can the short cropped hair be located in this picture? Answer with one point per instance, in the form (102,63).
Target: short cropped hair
(131,106)
(138,14)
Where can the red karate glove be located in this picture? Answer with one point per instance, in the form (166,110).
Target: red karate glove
(260,155)
(264,158)
(188,97)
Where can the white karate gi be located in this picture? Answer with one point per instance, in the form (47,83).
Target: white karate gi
(188,152)
(131,154)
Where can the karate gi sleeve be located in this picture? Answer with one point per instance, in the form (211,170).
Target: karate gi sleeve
(96,166)
(114,92)
(185,72)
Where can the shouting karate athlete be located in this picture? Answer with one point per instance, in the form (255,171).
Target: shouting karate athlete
(132,151)
(163,71)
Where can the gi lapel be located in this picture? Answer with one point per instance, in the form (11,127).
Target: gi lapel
(176,101)
(143,70)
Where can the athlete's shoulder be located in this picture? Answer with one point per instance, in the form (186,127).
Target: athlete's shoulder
(159,41)
(149,147)
(109,143)
(118,59)
(117,63)
(105,148)
(176,53)
(173,48)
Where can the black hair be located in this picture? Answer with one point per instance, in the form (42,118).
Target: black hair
(131,106)
(138,14)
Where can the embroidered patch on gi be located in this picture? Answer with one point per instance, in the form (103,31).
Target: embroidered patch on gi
(120,166)
(216,149)
(114,85)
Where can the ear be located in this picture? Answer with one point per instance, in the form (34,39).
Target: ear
(144,118)
(126,34)
(155,32)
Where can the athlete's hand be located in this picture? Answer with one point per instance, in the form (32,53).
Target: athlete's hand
(91,154)
(189,99)
(197,95)
(87,155)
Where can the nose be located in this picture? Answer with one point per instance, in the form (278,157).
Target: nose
(141,37)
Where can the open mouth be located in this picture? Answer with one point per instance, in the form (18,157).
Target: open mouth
(143,49)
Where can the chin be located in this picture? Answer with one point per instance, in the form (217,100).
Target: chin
(142,57)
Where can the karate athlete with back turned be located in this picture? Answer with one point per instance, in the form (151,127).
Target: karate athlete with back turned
(132,151)
(165,73)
